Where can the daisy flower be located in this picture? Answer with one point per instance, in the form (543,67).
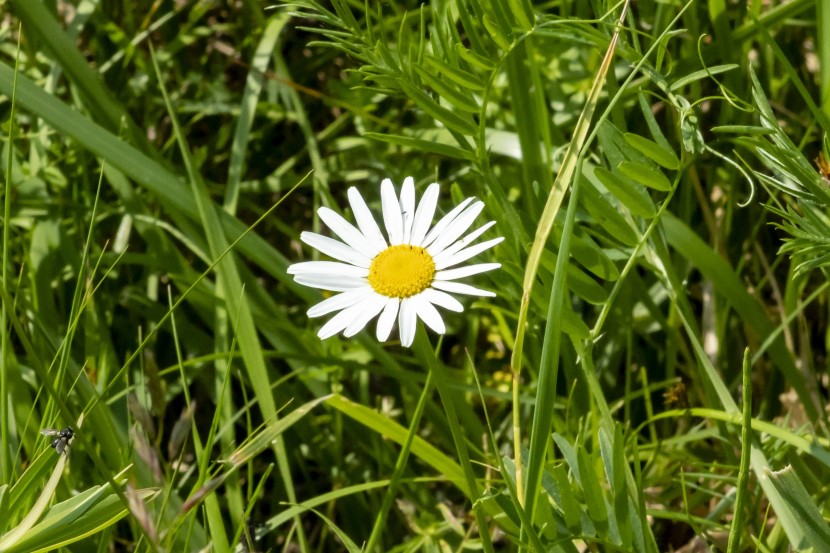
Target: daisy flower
(403,277)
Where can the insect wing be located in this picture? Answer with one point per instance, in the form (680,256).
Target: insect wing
(50,432)
(60,446)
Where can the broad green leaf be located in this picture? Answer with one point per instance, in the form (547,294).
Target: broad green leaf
(661,155)
(474,58)
(495,33)
(742,130)
(594,500)
(568,504)
(629,193)
(604,213)
(580,283)
(588,254)
(645,175)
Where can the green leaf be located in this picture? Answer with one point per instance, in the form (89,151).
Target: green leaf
(391,430)
(810,519)
(567,501)
(76,518)
(603,212)
(421,145)
(452,120)
(629,193)
(473,58)
(645,175)
(263,439)
(459,100)
(594,500)
(588,254)
(460,77)
(702,74)
(658,154)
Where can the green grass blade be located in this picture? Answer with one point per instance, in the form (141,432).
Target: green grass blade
(5,353)
(552,205)
(736,533)
(248,105)
(236,302)
(391,430)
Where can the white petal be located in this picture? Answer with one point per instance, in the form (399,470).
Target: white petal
(391,212)
(327,268)
(455,229)
(429,314)
(442,299)
(445,220)
(387,319)
(347,232)
(365,220)
(450,259)
(459,288)
(335,248)
(469,270)
(408,207)
(467,240)
(340,321)
(340,301)
(334,283)
(407,322)
(424,214)
(371,307)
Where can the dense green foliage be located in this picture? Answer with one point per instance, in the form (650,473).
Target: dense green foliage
(656,355)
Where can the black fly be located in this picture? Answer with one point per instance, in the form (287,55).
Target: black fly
(62,437)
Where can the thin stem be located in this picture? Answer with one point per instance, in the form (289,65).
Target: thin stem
(400,465)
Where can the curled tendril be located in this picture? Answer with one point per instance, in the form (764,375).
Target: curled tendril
(740,170)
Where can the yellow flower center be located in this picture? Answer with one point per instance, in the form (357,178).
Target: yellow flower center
(401,271)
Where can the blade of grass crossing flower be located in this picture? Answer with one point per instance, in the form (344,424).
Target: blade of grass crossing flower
(734,544)
(554,201)
(235,301)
